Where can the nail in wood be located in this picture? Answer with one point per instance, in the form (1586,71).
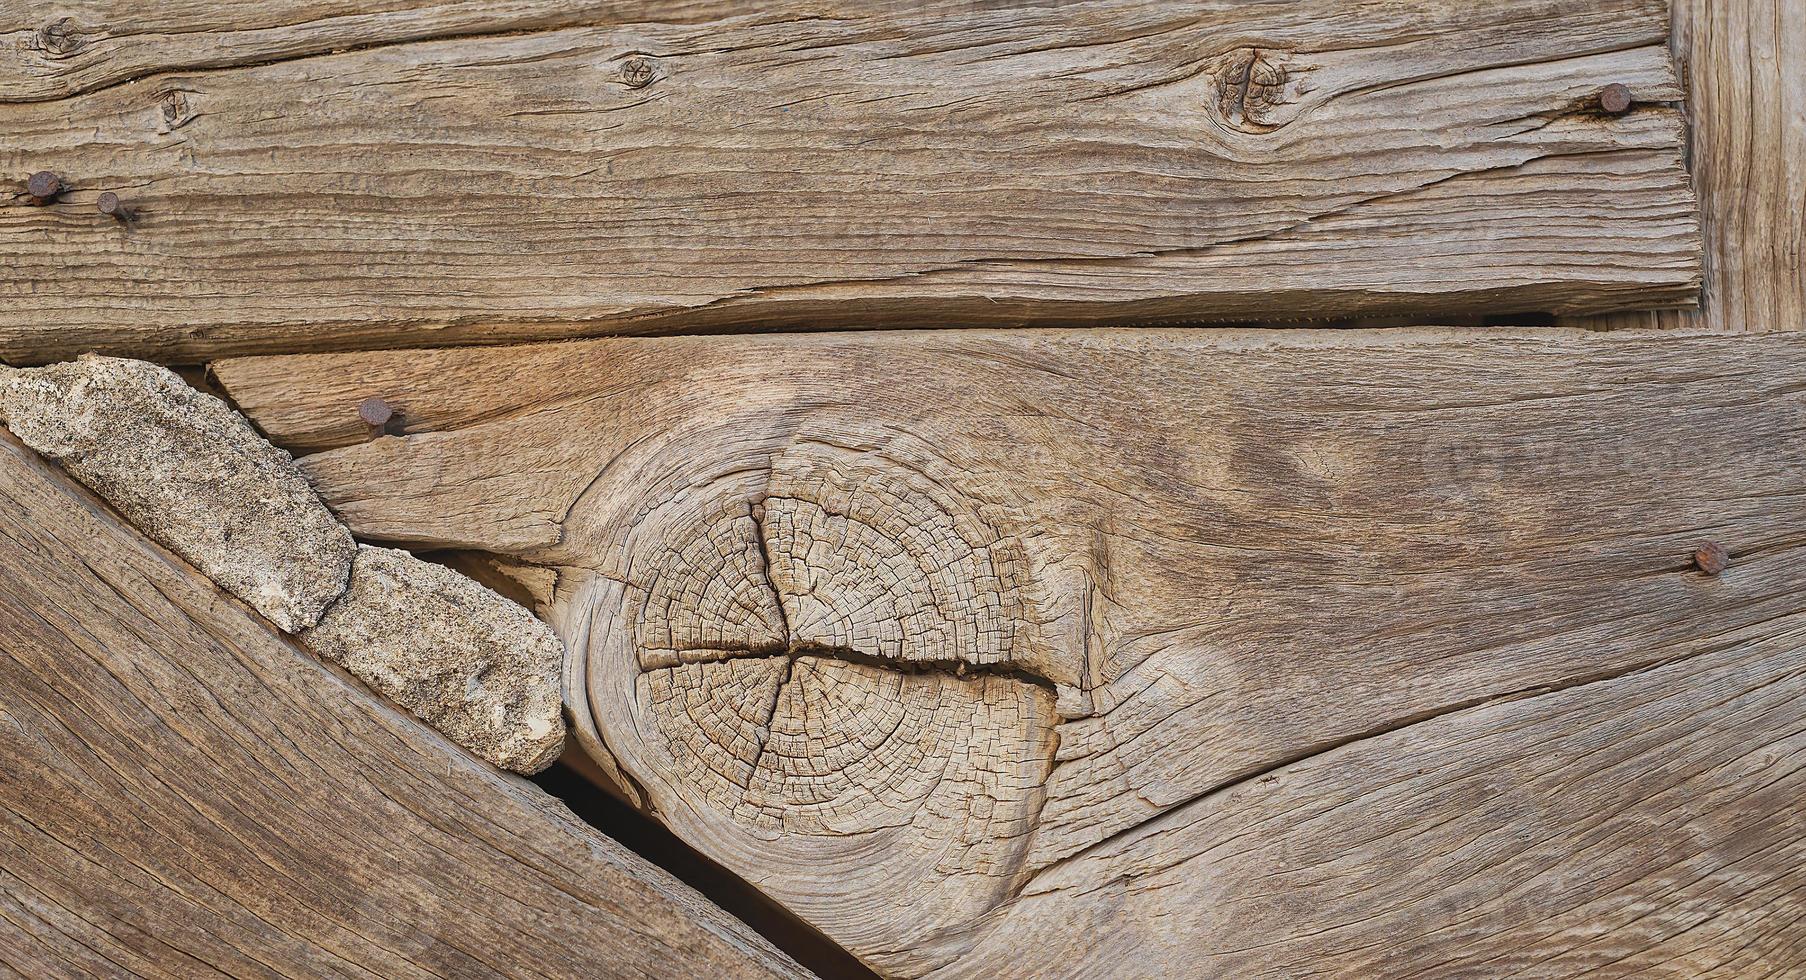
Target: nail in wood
(110,205)
(43,187)
(376,414)
(1712,558)
(1616,99)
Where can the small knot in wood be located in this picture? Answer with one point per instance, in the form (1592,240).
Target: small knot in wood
(1252,86)
(58,39)
(638,72)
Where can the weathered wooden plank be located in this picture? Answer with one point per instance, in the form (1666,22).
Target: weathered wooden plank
(1745,71)
(1746,64)
(58,52)
(187,795)
(883,165)
(1648,826)
(906,627)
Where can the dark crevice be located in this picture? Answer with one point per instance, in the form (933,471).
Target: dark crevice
(1521,320)
(757,515)
(957,668)
(771,717)
(645,837)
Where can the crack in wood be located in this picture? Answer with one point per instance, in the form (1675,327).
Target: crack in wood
(957,667)
(757,513)
(777,695)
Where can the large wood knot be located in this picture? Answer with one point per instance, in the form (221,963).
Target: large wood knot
(823,672)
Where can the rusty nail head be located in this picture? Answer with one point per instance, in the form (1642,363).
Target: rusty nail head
(1615,98)
(109,205)
(637,72)
(375,412)
(1712,558)
(44,186)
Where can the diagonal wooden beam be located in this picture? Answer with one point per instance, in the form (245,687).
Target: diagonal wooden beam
(186,794)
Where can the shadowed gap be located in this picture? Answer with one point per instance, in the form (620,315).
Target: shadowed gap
(645,837)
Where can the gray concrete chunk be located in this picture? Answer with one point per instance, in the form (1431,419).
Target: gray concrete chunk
(471,663)
(192,474)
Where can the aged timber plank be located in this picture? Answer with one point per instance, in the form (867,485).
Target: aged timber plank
(1648,826)
(56,52)
(892,164)
(1745,71)
(903,627)
(1746,62)
(186,794)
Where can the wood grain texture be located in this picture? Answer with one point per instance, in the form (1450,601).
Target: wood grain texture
(693,167)
(1744,66)
(57,52)
(947,640)
(187,795)
(1647,826)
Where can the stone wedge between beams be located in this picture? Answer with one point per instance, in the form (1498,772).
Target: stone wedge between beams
(193,475)
(477,667)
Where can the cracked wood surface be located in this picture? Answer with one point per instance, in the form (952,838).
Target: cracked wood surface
(1745,71)
(951,640)
(1746,64)
(186,795)
(309,175)
(1643,826)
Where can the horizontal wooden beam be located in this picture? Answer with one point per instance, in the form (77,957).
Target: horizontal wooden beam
(966,643)
(453,179)
(59,52)
(185,794)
